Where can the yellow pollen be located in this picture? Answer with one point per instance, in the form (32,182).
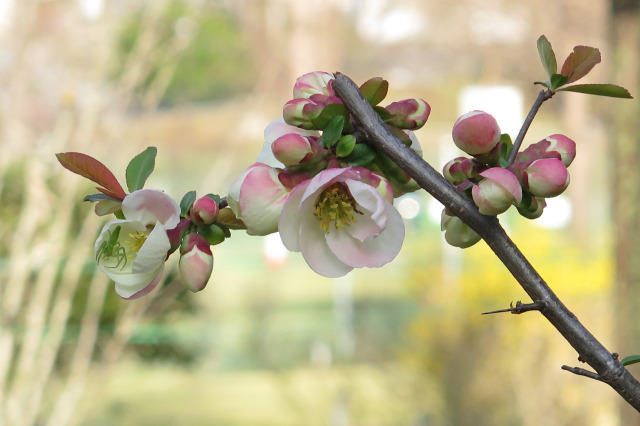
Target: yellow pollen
(135,242)
(336,206)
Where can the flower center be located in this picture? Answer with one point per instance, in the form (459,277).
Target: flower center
(135,242)
(336,206)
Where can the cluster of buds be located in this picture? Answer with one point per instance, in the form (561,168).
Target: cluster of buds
(322,186)
(538,172)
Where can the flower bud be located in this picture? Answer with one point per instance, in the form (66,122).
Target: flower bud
(564,146)
(204,211)
(313,83)
(460,169)
(196,262)
(409,114)
(534,208)
(301,112)
(546,177)
(456,232)
(292,149)
(497,191)
(476,133)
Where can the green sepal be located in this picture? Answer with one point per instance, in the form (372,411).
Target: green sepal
(631,359)
(332,131)
(346,145)
(385,115)
(214,234)
(505,148)
(187,202)
(328,113)
(610,90)
(361,155)
(139,168)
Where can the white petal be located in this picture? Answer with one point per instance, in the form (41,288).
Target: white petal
(153,252)
(316,252)
(149,206)
(131,291)
(290,218)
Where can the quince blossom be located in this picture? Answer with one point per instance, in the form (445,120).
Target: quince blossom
(132,251)
(342,219)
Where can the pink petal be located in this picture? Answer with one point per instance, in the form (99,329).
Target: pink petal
(278,127)
(326,178)
(372,252)
(149,206)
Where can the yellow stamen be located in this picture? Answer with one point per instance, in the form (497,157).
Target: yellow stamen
(336,206)
(135,242)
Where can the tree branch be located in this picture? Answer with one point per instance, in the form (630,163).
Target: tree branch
(608,368)
(544,95)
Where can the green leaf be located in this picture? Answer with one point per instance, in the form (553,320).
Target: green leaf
(558,80)
(547,56)
(543,83)
(90,168)
(346,145)
(332,131)
(214,197)
(186,202)
(140,168)
(98,197)
(375,90)
(328,113)
(580,62)
(362,154)
(610,90)
(632,359)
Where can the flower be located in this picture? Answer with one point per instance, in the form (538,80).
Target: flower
(204,211)
(497,191)
(546,177)
(313,83)
(292,149)
(409,113)
(196,262)
(342,219)
(132,251)
(275,130)
(257,197)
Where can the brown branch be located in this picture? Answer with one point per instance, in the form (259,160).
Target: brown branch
(582,372)
(519,308)
(609,369)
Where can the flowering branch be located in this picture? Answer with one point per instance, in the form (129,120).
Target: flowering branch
(608,368)
(542,96)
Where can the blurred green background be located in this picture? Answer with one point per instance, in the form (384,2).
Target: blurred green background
(269,342)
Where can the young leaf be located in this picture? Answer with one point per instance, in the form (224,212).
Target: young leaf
(547,56)
(580,62)
(632,359)
(599,89)
(98,197)
(362,154)
(108,206)
(332,131)
(375,90)
(90,168)
(186,202)
(328,113)
(346,145)
(558,80)
(140,168)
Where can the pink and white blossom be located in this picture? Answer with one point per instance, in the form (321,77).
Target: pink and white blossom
(313,83)
(342,219)
(196,262)
(132,251)
(476,133)
(497,191)
(547,177)
(275,130)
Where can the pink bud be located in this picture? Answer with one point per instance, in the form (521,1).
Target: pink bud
(196,262)
(476,133)
(409,114)
(564,146)
(292,149)
(204,211)
(546,177)
(313,83)
(497,191)
(456,232)
(460,169)
(300,112)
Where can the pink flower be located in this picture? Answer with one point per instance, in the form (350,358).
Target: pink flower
(275,130)
(546,177)
(342,219)
(196,262)
(204,211)
(476,133)
(313,83)
(409,113)
(497,191)
(257,197)
(292,149)
(562,146)
(132,251)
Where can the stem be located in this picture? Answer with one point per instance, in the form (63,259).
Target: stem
(542,96)
(608,368)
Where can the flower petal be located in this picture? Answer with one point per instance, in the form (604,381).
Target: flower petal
(131,292)
(153,252)
(290,218)
(316,252)
(372,252)
(149,206)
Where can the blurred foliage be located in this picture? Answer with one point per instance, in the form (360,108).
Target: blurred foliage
(215,65)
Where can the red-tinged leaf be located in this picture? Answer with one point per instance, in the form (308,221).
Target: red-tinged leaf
(106,207)
(375,90)
(610,90)
(93,170)
(580,62)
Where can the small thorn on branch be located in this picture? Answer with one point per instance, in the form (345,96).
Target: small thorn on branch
(519,308)
(582,372)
